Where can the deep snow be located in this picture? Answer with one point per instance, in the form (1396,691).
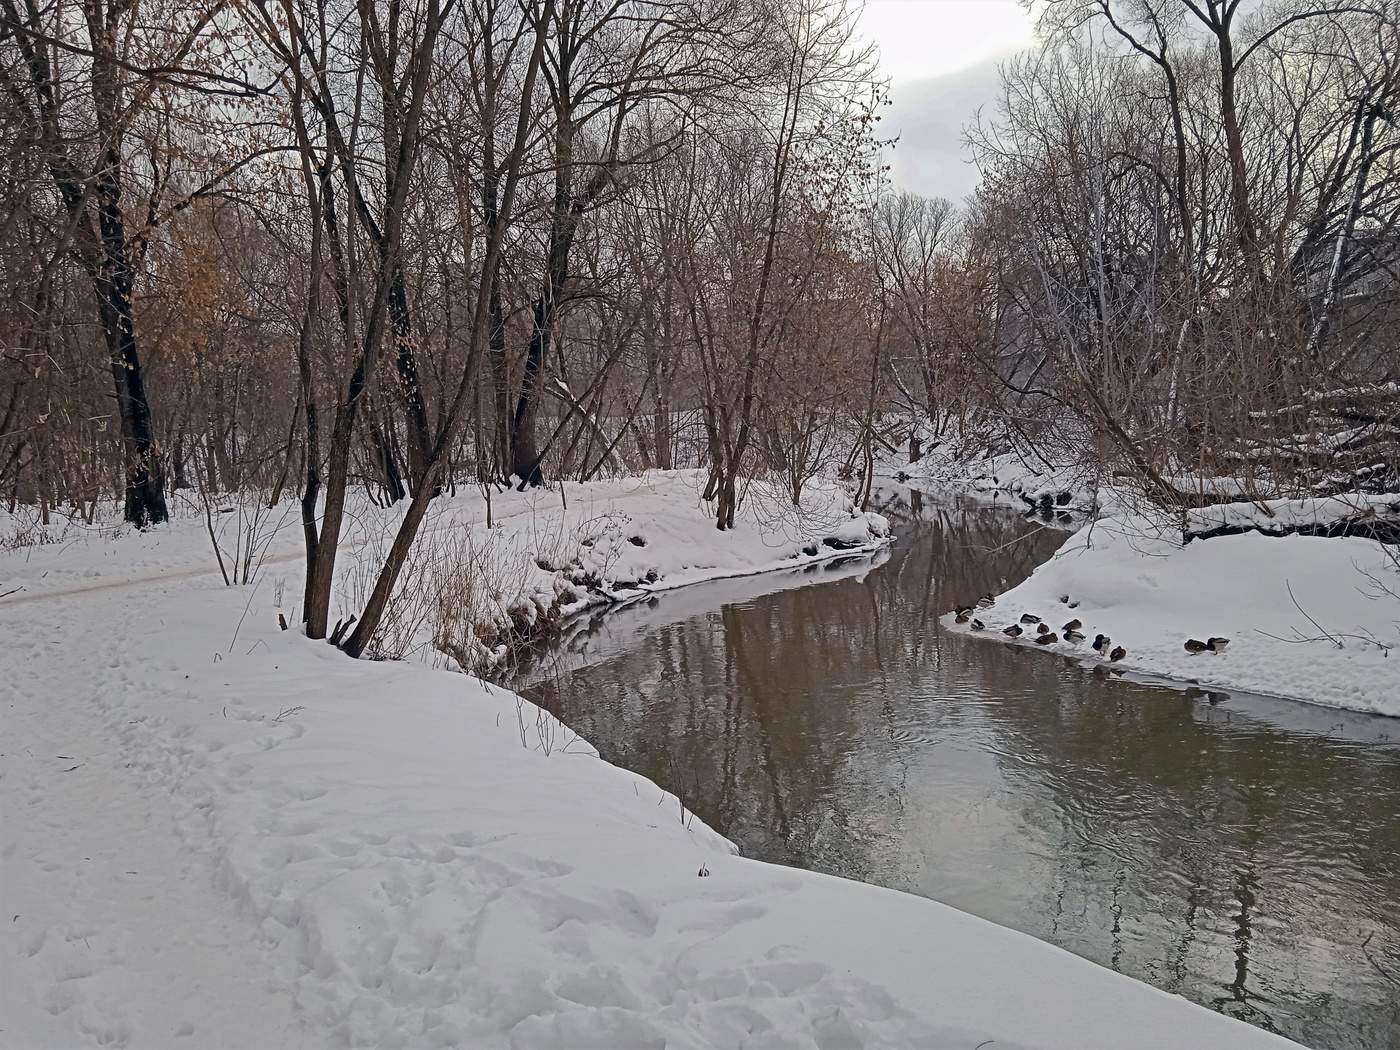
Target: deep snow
(1307,618)
(220,834)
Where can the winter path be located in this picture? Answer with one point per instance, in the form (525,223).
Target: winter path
(114,933)
(351,854)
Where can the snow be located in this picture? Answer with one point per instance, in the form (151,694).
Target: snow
(1281,514)
(1067,483)
(221,834)
(546,556)
(1135,581)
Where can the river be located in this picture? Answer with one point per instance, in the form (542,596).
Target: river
(1240,851)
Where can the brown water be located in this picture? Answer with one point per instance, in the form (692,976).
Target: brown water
(1240,853)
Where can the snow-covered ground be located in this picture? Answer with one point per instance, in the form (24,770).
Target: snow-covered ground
(547,555)
(1307,618)
(220,834)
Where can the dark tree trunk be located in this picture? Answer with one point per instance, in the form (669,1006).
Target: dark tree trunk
(496,329)
(406,362)
(525,454)
(387,461)
(145,496)
(311,490)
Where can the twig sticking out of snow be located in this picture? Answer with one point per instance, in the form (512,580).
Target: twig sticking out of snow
(1326,634)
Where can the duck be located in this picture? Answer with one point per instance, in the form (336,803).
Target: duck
(1047,638)
(1118,653)
(977,625)
(1064,599)
(1073,636)
(1195,645)
(1029,618)
(1073,625)
(962,615)
(1042,628)
(1012,632)
(1217,645)
(986,601)
(1100,642)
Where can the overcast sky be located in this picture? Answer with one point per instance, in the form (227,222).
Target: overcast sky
(941,57)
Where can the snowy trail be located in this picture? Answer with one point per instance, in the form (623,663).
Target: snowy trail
(206,566)
(113,929)
(158,903)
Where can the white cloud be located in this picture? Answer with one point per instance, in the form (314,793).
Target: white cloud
(941,57)
(929,117)
(928,38)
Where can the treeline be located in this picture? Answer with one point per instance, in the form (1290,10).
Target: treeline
(302,247)
(450,235)
(1183,254)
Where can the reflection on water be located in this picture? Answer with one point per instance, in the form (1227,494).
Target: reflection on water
(1238,853)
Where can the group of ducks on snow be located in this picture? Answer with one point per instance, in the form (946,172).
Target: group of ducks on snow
(1102,644)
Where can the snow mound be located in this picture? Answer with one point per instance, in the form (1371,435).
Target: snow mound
(1308,618)
(1277,517)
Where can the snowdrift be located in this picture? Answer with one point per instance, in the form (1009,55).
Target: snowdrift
(1308,618)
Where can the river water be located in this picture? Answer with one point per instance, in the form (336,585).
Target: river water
(1240,851)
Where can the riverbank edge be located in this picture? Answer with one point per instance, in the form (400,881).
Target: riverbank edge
(1136,583)
(493,575)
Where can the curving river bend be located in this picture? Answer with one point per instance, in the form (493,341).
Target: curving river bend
(1243,853)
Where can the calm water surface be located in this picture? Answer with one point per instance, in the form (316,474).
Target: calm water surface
(1240,853)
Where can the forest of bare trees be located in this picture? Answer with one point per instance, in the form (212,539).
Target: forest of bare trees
(307,248)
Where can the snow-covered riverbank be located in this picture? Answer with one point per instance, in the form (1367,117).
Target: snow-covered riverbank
(528,558)
(1307,618)
(219,834)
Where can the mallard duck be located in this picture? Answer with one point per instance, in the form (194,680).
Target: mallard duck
(986,601)
(1029,618)
(1195,645)
(1012,632)
(1217,645)
(1118,653)
(962,615)
(1100,642)
(1047,638)
(1042,628)
(1073,636)
(977,625)
(1073,625)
